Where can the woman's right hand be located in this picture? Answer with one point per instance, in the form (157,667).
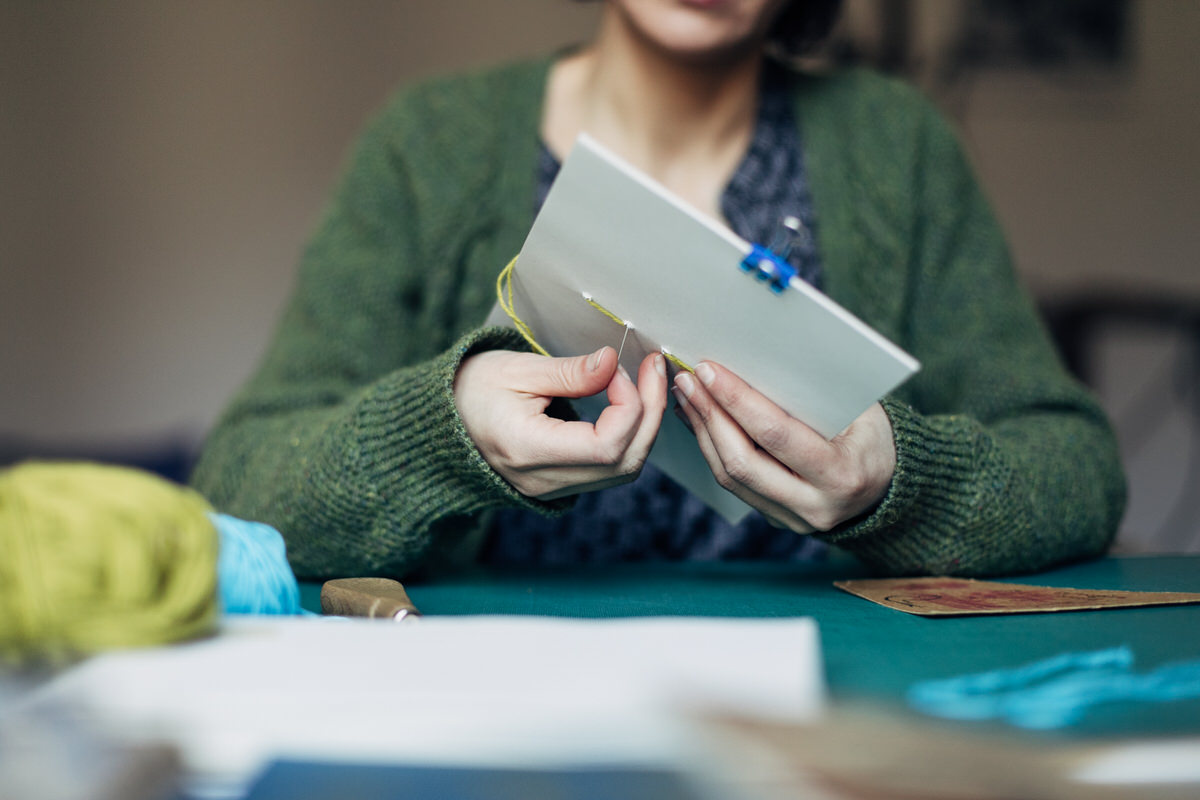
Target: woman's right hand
(502,398)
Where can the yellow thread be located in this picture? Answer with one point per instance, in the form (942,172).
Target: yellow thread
(504,293)
(603,310)
(503,283)
(676,360)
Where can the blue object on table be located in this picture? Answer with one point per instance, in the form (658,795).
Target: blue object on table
(1055,692)
(253,574)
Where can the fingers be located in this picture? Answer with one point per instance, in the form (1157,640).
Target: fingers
(652,389)
(625,430)
(790,441)
(579,376)
(739,466)
(781,466)
(623,434)
(502,398)
(619,420)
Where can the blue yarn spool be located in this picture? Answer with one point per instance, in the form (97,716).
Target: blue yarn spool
(253,574)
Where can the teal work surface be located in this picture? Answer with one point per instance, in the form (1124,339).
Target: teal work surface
(871,652)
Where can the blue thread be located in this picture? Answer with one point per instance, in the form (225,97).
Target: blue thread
(253,574)
(1055,692)
(768,267)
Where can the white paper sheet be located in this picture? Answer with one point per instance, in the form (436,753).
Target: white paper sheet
(609,232)
(522,691)
(1170,761)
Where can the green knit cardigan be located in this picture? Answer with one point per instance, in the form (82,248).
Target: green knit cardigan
(348,440)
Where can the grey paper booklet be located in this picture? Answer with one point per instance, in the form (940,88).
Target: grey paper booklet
(610,234)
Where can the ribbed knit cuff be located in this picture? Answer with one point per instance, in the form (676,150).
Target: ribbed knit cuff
(426,464)
(909,530)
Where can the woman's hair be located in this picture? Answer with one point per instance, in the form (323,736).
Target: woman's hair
(802,25)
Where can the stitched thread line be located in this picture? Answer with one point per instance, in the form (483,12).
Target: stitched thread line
(504,294)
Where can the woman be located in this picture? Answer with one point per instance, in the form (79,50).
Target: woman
(386,428)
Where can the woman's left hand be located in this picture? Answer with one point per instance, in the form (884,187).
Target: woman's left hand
(777,464)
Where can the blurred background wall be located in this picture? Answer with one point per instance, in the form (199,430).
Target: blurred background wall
(162,162)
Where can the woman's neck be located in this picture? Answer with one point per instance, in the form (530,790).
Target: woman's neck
(687,123)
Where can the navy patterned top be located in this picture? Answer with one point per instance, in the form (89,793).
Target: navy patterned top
(653,518)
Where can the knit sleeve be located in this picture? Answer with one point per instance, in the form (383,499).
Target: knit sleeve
(348,439)
(1005,464)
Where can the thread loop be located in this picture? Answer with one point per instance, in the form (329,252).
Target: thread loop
(504,294)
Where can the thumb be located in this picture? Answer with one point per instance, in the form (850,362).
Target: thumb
(579,376)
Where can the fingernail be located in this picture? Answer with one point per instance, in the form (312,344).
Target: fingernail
(684,381)
(595,362)
(705,373)
(660,365)
(621,369)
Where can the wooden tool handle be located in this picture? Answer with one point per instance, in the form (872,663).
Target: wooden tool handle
(378,598)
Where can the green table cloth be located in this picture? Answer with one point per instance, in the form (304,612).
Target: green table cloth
(871,652)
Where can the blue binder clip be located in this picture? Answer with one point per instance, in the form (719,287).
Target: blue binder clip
(770,267)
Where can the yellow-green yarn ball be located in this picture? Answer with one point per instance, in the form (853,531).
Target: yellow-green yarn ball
(95,556)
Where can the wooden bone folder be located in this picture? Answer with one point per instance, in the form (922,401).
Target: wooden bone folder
(376,598)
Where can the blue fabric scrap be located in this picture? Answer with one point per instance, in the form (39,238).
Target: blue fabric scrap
(1055,692)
